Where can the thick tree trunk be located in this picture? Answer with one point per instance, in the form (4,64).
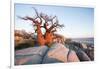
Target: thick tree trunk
(40,37)
(49,38)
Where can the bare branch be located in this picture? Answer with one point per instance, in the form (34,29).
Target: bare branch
(28,18)
(54,30)
(37,14)
(56,25)
(24,18)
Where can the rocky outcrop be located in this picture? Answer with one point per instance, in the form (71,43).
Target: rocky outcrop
(56,53)
(83,51)
(32,55)
(59,53)
(43,54)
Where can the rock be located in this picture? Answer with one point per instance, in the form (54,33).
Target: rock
(82,55)
(58,53)
(73,57)
(84,46)
(25,60)
(80,50)
(90,53)
(33,55)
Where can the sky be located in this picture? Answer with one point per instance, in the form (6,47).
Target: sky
(78,21)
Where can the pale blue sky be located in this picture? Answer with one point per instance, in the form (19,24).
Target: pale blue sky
(78,21)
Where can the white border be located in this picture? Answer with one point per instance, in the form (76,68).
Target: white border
(47,2)
(75,3)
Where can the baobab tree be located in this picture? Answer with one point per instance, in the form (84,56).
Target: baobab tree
(49,23)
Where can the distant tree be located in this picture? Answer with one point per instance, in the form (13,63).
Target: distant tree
(49,23)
